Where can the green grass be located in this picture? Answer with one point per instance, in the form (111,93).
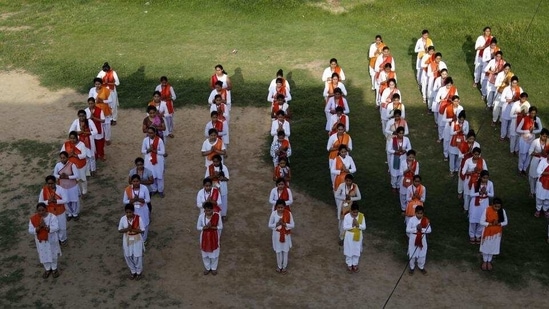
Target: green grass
(65,43)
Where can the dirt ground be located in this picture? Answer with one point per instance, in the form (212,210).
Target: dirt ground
(93,271)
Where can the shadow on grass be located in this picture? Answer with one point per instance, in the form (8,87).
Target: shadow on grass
(468,48)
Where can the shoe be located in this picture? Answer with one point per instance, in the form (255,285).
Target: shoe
(472,241)
(113,122)
(493,124)
(63,243)
(224,219)
(278,270)
(76,218)
(69,218)
(423,271)
(46,274)
(161,194)
(484,266)
(501,139)
(138,277)
(214,272)
(410,272)
(446,159)
(284,271)
(108,143)
(206,272)
(477,241)
(171,135)
(537,213)
(350,269)
(355,269)
(55,273)
(341,242)
(489,266)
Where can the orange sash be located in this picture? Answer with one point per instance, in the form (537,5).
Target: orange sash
(379,48)
(447,101)
(217,146)
(341,140)
(135,225)
(221,111)
(434,69)
(516,93)
(166,95)
(212,174)
(210,240)
(408,176)
(491,230)
(475,175)
(343,120)
(42,234)
(411,207)
(544,179)
(282,173)
(458,138)
(285,196)
(339,179)
(383,85)
(283,231)
(55,209)
(85,138)
(108,80)
(70,148)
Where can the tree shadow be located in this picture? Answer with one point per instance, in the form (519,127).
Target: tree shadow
(468,48)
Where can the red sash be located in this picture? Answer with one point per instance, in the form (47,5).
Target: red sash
(85,138)
(70,148)
(343,120)
(212,197)
(475,175)
(498,68)
(447,101)
(544,179)
(286,215)
(97,114)
(483,195)
(108,80)
(42,234)
(419,235)
(210,239)
(516,93)
(212,174)
(282,172)
(221,111)
(388,59)
(166,95)
(458,138)
(486,44)
(52,208)
(466,156)
(408,176)
(218,125)
(213,80)
(135,225)
(154,156)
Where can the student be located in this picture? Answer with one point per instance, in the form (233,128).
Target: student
(353,225)
(153,149)
(465,152)
(280,89)
(97,116)
(67,176)
(77,153)
(493,220)
(145,175)
(222,115)
(503,79)
(282,223)
(409,168)
(110,81)
(455,135)
(332,85)
(280,148)
(219,174)
(209,226)
(433,72)
(212,145)
(224,95)
(382,80)
(542,188)
(538,151)
(282,170)
(422,44)
(484,190)
(444,97)
(279,74)
(138,195)
(509,95)
(104,100)
(396,148)
(132,226)
(447,115)
(337,118)
(331,106)
(280,105)
(334,68)
(492,69)
(396,121)
(519,110)
(44,226)
(336,140)
(470,173)
(281,192)
(280,124)
(217,124)
(55,197)
(208,194)
(342,165)
(347,193)
(158,119)
(168,96)
(86,130)
(417,229)
(482,42)
(374,51)
(528,127)
(415,196)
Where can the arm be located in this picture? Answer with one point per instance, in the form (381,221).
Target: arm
(146,194)
(419,46)
(483,221)
(172,93)
(273,197)
(352,167)
(200,223)
(125,198)
(362,226)
(272,221)
(358,196)
(291,224)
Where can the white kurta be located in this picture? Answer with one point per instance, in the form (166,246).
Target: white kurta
(200,224)
(277,245)
(341,193)
(475,212)
(327,74)
(202,196)
(406,145)
(50,248)
(276,125)
(275,195)
(132,245)
(158,168)
(351,247)
(541,193)
(490,245)
(535,149)
(73,193)
(207,146)
(141,209)
(75,126)
(411,230)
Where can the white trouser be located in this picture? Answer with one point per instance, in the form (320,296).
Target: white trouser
(513,143)
(403,203)
(62,220)
(73,208)
(420,262)
(224,204)
(505,124)
(210,263)
(352,260)
(51,265)
(454,162)
(282,259)
(158,185)
(83,186)
(475,230)
(107,128)
(114,105)
(478,70)
(542,204)
(532,181)
(487,257)
(466,201)
(135,264)
(523,162)
(169,124)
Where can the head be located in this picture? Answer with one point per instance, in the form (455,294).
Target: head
(280,205)
(280,183)
(163,80)
(533,111)
(338,93)
(416,180)
(523,97)
(387,67)
(455,100)
(514,81)
(487,31)
(386,51)
(106,67)
(378,39)
(151,111)
(349,179)
(280,135)
(157,96)
(335,78)
(129,209)
(397,113)
(506,68)
(498,55)
(279,73)
(218,99)
(97,82)
(73,137)
(343,150)
(208,208)
(218,85)
(139,163)
(41,209)
(81,115)
(207,184)
(448,82)
(425,33)
(282,162)
(280,115)
(544,134)
(339,110)
(444,73)
(219,69)
(396,98)
(340,128)
(91,103)
(438,57)
(214,115)
(462,116)
(484,176)
(136,180)
(471,136)
(333,63)
(400,132)
(280,99)
(63,157)
(391,82)
(354,209)
(411,155)
(419,212)
(50,181)
(217,160)
(212,133)
(476,153)
(151,132)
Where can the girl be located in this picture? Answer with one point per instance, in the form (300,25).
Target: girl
(219,174)
(345,194)
(484,190)
(209,225)
(353,225)
(132,226)
(342,165)
(493,220)
(67,176)
(44,226)
(396,150)
(77,153)
(138,195)
(153,150)
(456,135)
(281,192)
(281,222)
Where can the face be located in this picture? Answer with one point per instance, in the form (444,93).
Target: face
(341,130)
(333,64)
(448,86)
(218,71)
(280,117)
(151,113)
(419,214)
(218,101)
(139,165)
(378,40)
(425,35)
(97,85)
(129,213)
(280,101)
(73,139)
(156,98)
(485,178)
(280,138)
(151,133)
(411,157)
(208,211)
(279,85)
(471,139)
(506,70)
(392,84)
(282,163)
(41,210)
(456,102)
(51,183)
(280,185)
(498,57)
(82,116)
(444,74)
(279,208)
(216,162)
(523,99)
(386,52)
(91,104)
(136,183)
(438,59)
(208,186)
(63,158)
(476,155)
(543,137)
(354,213)
(218,87)
(487,32)
(533,114)
(163,82)
(214,118)
(417,182)
(335,80)
(514,83)
(343,152)
(400,134)
(497,206)
(213,136)
(396,100)
(348,182)
(337,95)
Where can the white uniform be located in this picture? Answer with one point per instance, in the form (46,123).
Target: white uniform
(416,252)
(352,248)
(49,250)
(158,168)
(476,211)
(132,245)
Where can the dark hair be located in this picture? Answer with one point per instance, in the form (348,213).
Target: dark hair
(501,217)
(214,113)
(81,111)
(219,66)
(212,130)
(279,80)
(349,176)
(138,160)
(280,202)
(129,207)
(218,157)
(397,112)
(279,180)
(163,78)
(338,90)
(91,99)
(472,133)
(333,60)
(73,133)
(411,152)
(339,109)
(50,177)
(206,180)
(448,80)
(157,93)
(354,206)
(66,154)
(41,205)
(335,75)
(208,205)
(482,174)
(135,176)
(106,66)
(97,79)
(425,31)
(419,208)
(462,114)
(476,149)
(486,28)
(279,72)
(151,108)
(417,177)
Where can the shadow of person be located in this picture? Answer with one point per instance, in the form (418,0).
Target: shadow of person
(136,86)
(237,78)
(468,48)
(290,80)
(412,53)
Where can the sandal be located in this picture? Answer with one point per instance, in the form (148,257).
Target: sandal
(138,277)
(350,269)
(214,272)
(355,269)
(283,271)
(423,271)
(489,266)
(410,272)
(132,276)
(55,273)
(206,272)
(278,270)
(46,274)
(484,266)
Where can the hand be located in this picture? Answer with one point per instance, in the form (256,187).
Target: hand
(418,227)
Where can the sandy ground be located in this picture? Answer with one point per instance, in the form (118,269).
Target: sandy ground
(93,271)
